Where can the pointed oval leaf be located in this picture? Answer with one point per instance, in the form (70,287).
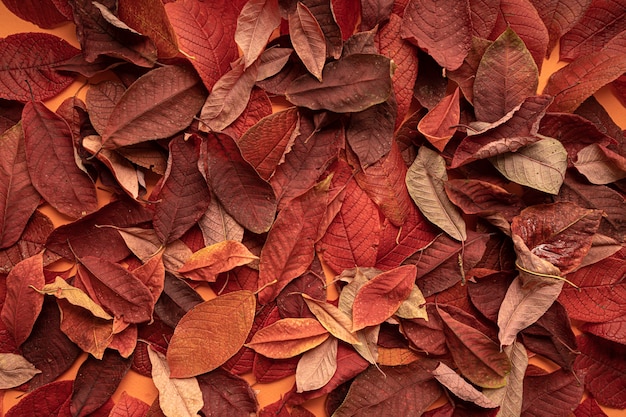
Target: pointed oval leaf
(157,105)
(541,165)
(510,396)
(256,22)
(308,39)
(45,401)
(288,337)
(350,84)
(202,343)
(425,180)
(317,366)
(600,165)
(208,262)
(460,387)
(32,57)
(225,394)
(128,406)
(438,124)
(337,322)
(15,370)
(61,289)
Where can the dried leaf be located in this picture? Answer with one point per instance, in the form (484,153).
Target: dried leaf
(208,262)
(308,39)
(15,370)
(288,337)
(317,366)
(600,165)
(336,321)
(440,122)
(61,289)
(256,22)
(460,387)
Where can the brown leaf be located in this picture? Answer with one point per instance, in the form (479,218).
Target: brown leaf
(256,22)
(335,320)
(208,262)
(460,387)
(317,366)
(92,334)
(308,39)
(15,370)
(61,289)
(288,337)
(600,165)
(202,343)
(226,394)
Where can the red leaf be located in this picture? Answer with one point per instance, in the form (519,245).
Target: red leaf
(42,13)
(265,144)
(308,39)
(226,395)
(440,122)
(33,57)
(48,400)
(370,132)
(55,175)
(484,14)
(206,34)
(289,248)
(183,195)
(259,106)
(244,195)
(128,406)
(589,408)
(19,199)
(96,381)
(475,196)
(158,105)
(442,30)
(255,24)
(605,373)
(352,237)
(554,394)
(324,13)
(23,304)
(559,17)
(613,330)
(347,15)
(268,370)
(603,20)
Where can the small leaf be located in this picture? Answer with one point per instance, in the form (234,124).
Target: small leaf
(15,370)
(208,262)
(288,337)
(425,180)
(600,165)
(510,396)
(61,289)
(460,387)
(440,122)
(202,343)
(337,322)
(317,366)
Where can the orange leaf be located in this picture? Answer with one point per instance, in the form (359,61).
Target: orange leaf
(288,337)
(208,262)
(202,341)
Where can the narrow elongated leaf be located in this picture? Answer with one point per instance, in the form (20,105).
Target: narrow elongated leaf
(15,370)
(32,57)
(425,181)
(460,387)
(202,343)
(308,39)
(336,321)
(61,289)
(157,105)
(288,337)
(510,396)
(444,31)
(506,75)
(350,84)
(96,381)
(317,366)
(55,175)
(18,197)
(540,165)
(180,397)
(256,22)
(23,304)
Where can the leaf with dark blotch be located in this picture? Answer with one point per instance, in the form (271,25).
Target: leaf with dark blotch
(18,197)
(560,233)
(370,132)
(182,195)
(288,337)
(478,357)
(265,144)
(226,394)
(23,304)
(47,347)
(350,84)
(98,36)
(555,394)
(391,44)
(352,237)
(559,17)
(202,343)
(600,165)
(55,175)
(210,50)
(96,381)
(602,21)
(516,129)
(425,181)
(439,124)
(116,288)
(33,57)
(157,105)
(442,30)
(45,401)
(236,184)
(401,390)
(505,77)
(308,39)
(256,22)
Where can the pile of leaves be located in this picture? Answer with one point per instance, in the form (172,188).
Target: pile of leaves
(253,147)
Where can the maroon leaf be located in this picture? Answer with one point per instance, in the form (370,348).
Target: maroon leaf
(96,381)
(427,336)
(101,99)
(28,66)
(244,195)
(48,400)
(42,13)
(206,34)
(19,199)
(589,408)
(255,24)
(559,17)
(605,374)
(308,39)
(555,394)
(484,14)
(183,195)
(324,13)
(259,106)
(444,31)
(370,132)
(226,394)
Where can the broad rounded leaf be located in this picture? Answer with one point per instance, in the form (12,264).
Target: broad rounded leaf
(201,342)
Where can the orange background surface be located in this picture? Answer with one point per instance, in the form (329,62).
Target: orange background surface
(142,387)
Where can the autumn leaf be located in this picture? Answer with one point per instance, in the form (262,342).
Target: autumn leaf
(308,39)
(61,289)
(288,337)
(317,366)
(220,342)
(256,22)
(208,262)
(15,370)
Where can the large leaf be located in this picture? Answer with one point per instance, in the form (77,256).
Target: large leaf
(350,84)
(202,343)
(540,165)
(55,175)
(255,24)
(157,105)
(506,75)
(206,34)
(425,180)
(18,197)
(31,75)
(443,30)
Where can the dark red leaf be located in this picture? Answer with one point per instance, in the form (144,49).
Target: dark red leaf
(48,400)
(176,300)
(483,198)
(226,395)
(374,12)
(96,381)
(554,394)
(266,370)
(484,14)
(290,302)
(426,336)
(589,408)
(370,132)
(128,406)
(347,15)
(28,66)
(42,13)
(206,34)
(559,17)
